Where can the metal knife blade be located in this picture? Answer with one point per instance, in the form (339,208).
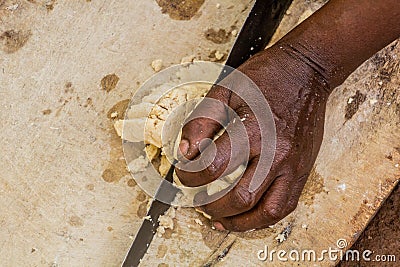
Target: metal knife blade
(149,226)
(254,36)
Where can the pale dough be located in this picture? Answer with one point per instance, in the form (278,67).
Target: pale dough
(164,166)
(152,151)
(138,165)
(145,122)
(157,65)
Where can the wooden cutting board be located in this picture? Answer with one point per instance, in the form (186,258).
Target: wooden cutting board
(66,198)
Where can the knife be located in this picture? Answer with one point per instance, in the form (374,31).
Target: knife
(254,36)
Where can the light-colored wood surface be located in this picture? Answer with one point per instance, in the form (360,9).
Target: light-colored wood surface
(66,199)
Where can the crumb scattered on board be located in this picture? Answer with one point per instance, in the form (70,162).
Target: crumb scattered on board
(188,59)
(284,234)
(166,221)
(198,221)
(157,65)
(219,55)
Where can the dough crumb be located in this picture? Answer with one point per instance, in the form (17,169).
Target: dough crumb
(198,222)
(164,166)
(157,65)
(218,5)
(152,151)
(284,234)
(149,202)
(165,222)
(171,212)
(203,213)
(148,217)
(280,238)
(188,59)
(138,165)
(118,126)
(216,186)
(12,7)
(219,55)
(160,231)
(234,33)
(114,115)
(373,101)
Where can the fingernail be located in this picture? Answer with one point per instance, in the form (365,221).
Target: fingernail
(219,226)
(184,146)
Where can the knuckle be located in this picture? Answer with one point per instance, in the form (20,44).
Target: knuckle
(291,207)
(235,228)
(243,200)
(211,169)
(214,167)
(232,226)
(273,212)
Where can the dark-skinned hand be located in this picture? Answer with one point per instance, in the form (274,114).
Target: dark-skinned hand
(295,76)
(297,95)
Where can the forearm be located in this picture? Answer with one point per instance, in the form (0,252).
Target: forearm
(340,36)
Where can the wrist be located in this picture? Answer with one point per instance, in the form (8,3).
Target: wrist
(325,68)
(340,36)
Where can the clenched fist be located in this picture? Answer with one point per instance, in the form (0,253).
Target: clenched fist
(297,95)
(295,77)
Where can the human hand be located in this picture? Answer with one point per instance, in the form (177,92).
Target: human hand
(296,76)
(297,95)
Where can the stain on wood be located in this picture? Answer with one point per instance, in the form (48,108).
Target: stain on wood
(142,210)
(46,112)
(75,221)
(68,88)
(219,36)
(212,238)
(221,251)
(109,82)
(161,251)
(367,209)
(179,9)
(168,232)
(353,104)
(116,165)
(118,109)
(50,5)
(131,183)
(259,234)
(314,186)
(90,187)
(13,40)
(141,196)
